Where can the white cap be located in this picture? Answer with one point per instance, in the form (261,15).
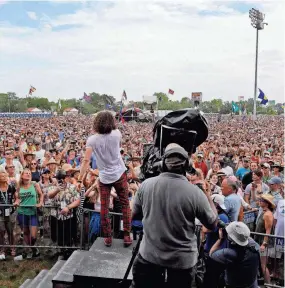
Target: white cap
(220,200)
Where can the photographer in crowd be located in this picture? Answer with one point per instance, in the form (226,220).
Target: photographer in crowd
(241,257)
(166,244)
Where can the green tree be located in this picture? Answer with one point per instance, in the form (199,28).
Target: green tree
(161,97)
(38,102)
(4,106)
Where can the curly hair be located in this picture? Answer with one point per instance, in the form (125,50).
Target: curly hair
(104,123)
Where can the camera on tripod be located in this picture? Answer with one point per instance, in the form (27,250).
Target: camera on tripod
(186,127)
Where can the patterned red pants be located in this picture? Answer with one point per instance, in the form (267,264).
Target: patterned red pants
(121,187)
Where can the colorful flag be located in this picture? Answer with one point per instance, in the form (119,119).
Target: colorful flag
(86,98)
(264,99)
(32,89)
(124,96)
(235,107)
(121,114)
(170,91)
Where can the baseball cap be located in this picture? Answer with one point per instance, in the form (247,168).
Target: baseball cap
(200,155)
(220,200)
(45,171)
(266,165)
(221,173)
(275,180)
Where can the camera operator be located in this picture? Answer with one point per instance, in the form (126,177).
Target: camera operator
(168,205)
(241,258)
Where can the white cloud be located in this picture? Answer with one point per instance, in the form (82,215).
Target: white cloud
(144,47)
(32,15)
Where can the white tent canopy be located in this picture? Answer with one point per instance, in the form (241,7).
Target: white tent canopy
(149,99)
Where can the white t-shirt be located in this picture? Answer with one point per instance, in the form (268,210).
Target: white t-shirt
(106,148)
(40,155)
(279,215)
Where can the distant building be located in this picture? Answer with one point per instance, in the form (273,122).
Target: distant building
(70,111)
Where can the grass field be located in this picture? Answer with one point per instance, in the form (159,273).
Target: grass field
(14,273)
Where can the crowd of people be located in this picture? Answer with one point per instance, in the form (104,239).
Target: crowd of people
(56,163)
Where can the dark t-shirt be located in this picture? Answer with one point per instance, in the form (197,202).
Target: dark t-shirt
(242,264)
(213,236)
(36,176)
(169,205)
(246,179)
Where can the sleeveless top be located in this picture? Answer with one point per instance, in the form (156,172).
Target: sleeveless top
(260,228)
(28,197)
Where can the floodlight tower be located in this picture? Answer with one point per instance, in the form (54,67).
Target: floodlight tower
(257,23)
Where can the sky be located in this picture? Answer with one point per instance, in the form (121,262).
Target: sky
(66,48)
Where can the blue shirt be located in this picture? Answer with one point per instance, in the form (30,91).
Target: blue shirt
(93,161)
(241,171)
(213,236)
(61,136)
(233,203)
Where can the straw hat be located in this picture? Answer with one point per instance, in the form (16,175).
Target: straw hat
(238,232)
(269,199)
(52,161)
(67,167)
(29,154)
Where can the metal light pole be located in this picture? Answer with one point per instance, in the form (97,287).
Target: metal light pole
(256,18)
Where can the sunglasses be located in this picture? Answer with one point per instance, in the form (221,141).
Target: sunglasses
(10,166)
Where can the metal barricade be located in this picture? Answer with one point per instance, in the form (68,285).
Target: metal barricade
(272,260)
(32,227)
(91,228)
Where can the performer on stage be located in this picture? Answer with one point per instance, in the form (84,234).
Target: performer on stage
(105,144)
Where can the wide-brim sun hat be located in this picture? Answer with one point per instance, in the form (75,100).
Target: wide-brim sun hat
(29,154)
(68,167)
(238,232)
(269,199)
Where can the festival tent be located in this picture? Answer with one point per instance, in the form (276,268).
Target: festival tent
(34,110)
(70,111)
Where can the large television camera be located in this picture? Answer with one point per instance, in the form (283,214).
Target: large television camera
(186,127)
